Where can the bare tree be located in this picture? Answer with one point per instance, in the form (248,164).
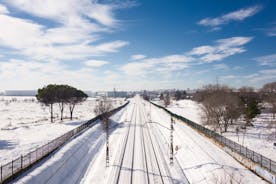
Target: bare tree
(232,107)
(177,95)
(161,96)
(269,95)
(212,113)
(167,100)
(103,108)
(220,107)
(249,104)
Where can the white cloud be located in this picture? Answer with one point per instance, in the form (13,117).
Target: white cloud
(35,74)
(237,67)
(269,71)
(3,9)
(95,63)
(74,36)
(265,76)
(238,15)
(68,12)
(227,77)
(203,54)
(19,33)
(233,42)
(268,60)
(221,67)
(111,46)
(222,49)
(162,64)
(271,31)
(202,50)
(137,57)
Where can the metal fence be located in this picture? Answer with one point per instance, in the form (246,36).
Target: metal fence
(12,169)
(257,158)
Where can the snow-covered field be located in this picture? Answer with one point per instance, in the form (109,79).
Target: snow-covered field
(82,160)
(25,124)
(257,138)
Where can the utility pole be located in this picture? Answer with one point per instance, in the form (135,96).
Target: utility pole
(217,81)
(107,143)
(150,112)
(171,142)
(114,91)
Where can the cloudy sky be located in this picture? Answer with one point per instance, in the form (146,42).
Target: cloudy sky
(133,45)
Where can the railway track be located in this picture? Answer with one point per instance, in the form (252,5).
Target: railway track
(161,177)
(123,152)
(146,167)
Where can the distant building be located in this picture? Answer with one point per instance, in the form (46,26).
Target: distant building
(20,92)
(115,94)
(101,94)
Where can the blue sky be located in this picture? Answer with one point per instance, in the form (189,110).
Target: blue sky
(133,45)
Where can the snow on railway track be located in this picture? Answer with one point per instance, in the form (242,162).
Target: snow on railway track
(140,159)
(139,153)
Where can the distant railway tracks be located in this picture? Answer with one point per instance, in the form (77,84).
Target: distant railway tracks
(140,159)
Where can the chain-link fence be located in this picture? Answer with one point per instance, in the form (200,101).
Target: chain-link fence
(257,158)
(12,169)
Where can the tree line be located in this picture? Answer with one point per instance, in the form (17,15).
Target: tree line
(222,105)
(63,95)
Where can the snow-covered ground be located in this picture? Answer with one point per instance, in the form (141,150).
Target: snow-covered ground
(25,124)
(82,160)
(257,138)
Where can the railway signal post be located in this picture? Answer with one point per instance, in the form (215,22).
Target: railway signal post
(171,141)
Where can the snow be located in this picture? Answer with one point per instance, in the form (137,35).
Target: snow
(82,160)
(258,138)
(201,160)
(67,165)
(138,157)
(70,163)
(25,124)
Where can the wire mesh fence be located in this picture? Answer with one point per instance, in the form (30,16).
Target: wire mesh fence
(257,158)
(9,170)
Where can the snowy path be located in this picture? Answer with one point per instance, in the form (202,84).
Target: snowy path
(139,153)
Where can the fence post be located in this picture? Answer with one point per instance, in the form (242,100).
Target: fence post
(253,156)
(1,172)
(261,161)
(12,167)
(270,165)
(21,161)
